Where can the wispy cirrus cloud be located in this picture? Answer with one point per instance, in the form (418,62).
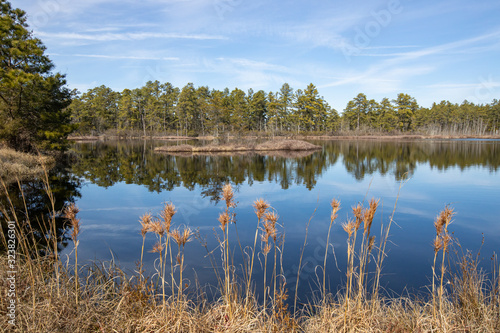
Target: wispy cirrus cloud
(254,65)
(106,37)
(114,57)
(402,66)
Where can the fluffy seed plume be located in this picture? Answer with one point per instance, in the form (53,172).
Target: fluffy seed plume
(371,243)
(228,195)
(70,213)
(186,236)
(369,214)
(446,241)
(223,220)
(443,220)
(358,214)
(272,217)
(146,221)
(177,237)
(260,207)
(448,214)
(157,227)
(335,208)
(439,224)
(266,249)
(437,244)
(181,237)
(166,214)
(349,227)
(157,248)
(269,230)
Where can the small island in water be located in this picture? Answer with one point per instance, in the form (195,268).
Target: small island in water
(265,147)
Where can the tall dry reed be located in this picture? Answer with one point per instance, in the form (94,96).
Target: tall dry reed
(70,214)
(109,300)
(441,243)
(260,206)
(225,219)
(335,208)
(181,238)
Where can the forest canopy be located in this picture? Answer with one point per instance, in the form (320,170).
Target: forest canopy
(159,108)
(33,100)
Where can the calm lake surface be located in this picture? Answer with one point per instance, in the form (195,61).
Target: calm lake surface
(114,183)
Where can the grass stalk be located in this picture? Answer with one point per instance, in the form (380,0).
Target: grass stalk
(261,207)
(384,237)
(106,299)
(335,208)
(300,261)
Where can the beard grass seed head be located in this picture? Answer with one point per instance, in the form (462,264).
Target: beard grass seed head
(448,214)
(270,228)
(266,249)
(439,223)
(146,221)
(437,244)
(177,237)
(70,213)
(443,220)
(358,214)
(270,220)
(223,220)
(371,243)
(446,242)
(272,217)
(157,227)
(349,227)
(335,208)
(369,214)
(260,207)
(166,214)
(228,195)
(157,248)
(75,223)
(186,236)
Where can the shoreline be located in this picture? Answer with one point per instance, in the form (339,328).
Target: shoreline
(268,146)
(91,138)
(16,165)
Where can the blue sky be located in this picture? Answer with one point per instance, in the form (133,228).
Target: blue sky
(432,50)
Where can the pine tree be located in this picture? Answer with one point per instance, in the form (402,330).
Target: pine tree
(285,106)
(406,107)
(33,100)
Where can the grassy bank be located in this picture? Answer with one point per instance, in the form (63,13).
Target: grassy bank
(268,146)
(55,297)
(16,165)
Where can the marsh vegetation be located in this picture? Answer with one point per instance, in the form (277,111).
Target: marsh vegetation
(62,295)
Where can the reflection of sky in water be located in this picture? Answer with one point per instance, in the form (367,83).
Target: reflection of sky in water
(110,221)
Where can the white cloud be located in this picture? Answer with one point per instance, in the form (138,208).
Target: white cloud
(106,37)
(404,66)
(114,57)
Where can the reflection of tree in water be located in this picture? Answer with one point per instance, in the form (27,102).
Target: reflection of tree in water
(30,203)
(362,157)
(135,162)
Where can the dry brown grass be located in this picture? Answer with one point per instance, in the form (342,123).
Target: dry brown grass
(14,164)
(52,297)
(290,145)
(269,146)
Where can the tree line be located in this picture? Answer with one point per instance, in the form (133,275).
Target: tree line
(162,108)
(38,111)
(159,108)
